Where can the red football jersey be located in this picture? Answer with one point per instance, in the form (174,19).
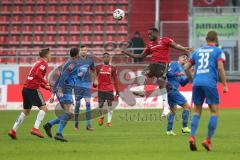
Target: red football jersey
(159,49)
(106,75)
(36,76)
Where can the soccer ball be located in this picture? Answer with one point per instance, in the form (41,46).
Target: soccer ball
(118,14)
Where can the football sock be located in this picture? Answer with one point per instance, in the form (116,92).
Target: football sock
(171,117)
(110,113)
(212,125)
(54,121)
(39,119)
(194,124)
(76,113)
(185,117)
(163,92)
(88,114)
(18,121)
(63,121)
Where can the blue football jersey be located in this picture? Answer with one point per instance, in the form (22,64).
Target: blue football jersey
(173,79)
(205,61)
(68,75)
(83,75)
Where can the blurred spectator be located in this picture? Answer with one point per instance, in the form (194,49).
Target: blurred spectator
(234,3)
(137,42)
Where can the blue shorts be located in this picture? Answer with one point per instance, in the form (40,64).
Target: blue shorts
(176,98)
(82,92)
(200,93)
(67,97)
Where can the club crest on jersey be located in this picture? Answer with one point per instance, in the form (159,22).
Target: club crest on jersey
(42,67)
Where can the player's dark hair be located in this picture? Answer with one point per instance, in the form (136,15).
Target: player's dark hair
(83,46)
(74,52)
(44,52)
(137,32)
(212,36)
(153,29)
(107,54)
(185,54)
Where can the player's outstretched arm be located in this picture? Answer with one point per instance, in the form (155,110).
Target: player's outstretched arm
(142,55)
(180,47)
(187,68)
(222,75)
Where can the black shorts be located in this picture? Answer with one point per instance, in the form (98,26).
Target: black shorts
(105,95)
(158,70)
(32,97)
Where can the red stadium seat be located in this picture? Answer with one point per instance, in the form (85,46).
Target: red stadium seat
(110,38)
(74,38)
(64,8)
(99,38)
(38,38)
(53,9)
(4,19)
(16,19)
(40,18)
(85,38)
(111,28)
(6,9)
(76,8)
(63,18)
(87,18)
(99,18)
(111,7)
(39,28)
(18,9)
(52,18)
(86,28)
(14,38)
(87,8)
(16,29)
(74,28)
(63,29)
(51,28)
(29,9)
(98,28)
(50,38)
(27,28)
(75,18)
(99,8)
(26,39)
(4,29)
(41,8)
(28,18)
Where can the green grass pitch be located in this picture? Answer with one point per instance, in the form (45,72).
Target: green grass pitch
(136,134)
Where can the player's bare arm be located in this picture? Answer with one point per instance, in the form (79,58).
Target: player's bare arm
(222,75)
(180,47)
(187,68)
(142,55)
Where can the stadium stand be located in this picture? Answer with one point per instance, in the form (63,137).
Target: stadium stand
(55,23)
